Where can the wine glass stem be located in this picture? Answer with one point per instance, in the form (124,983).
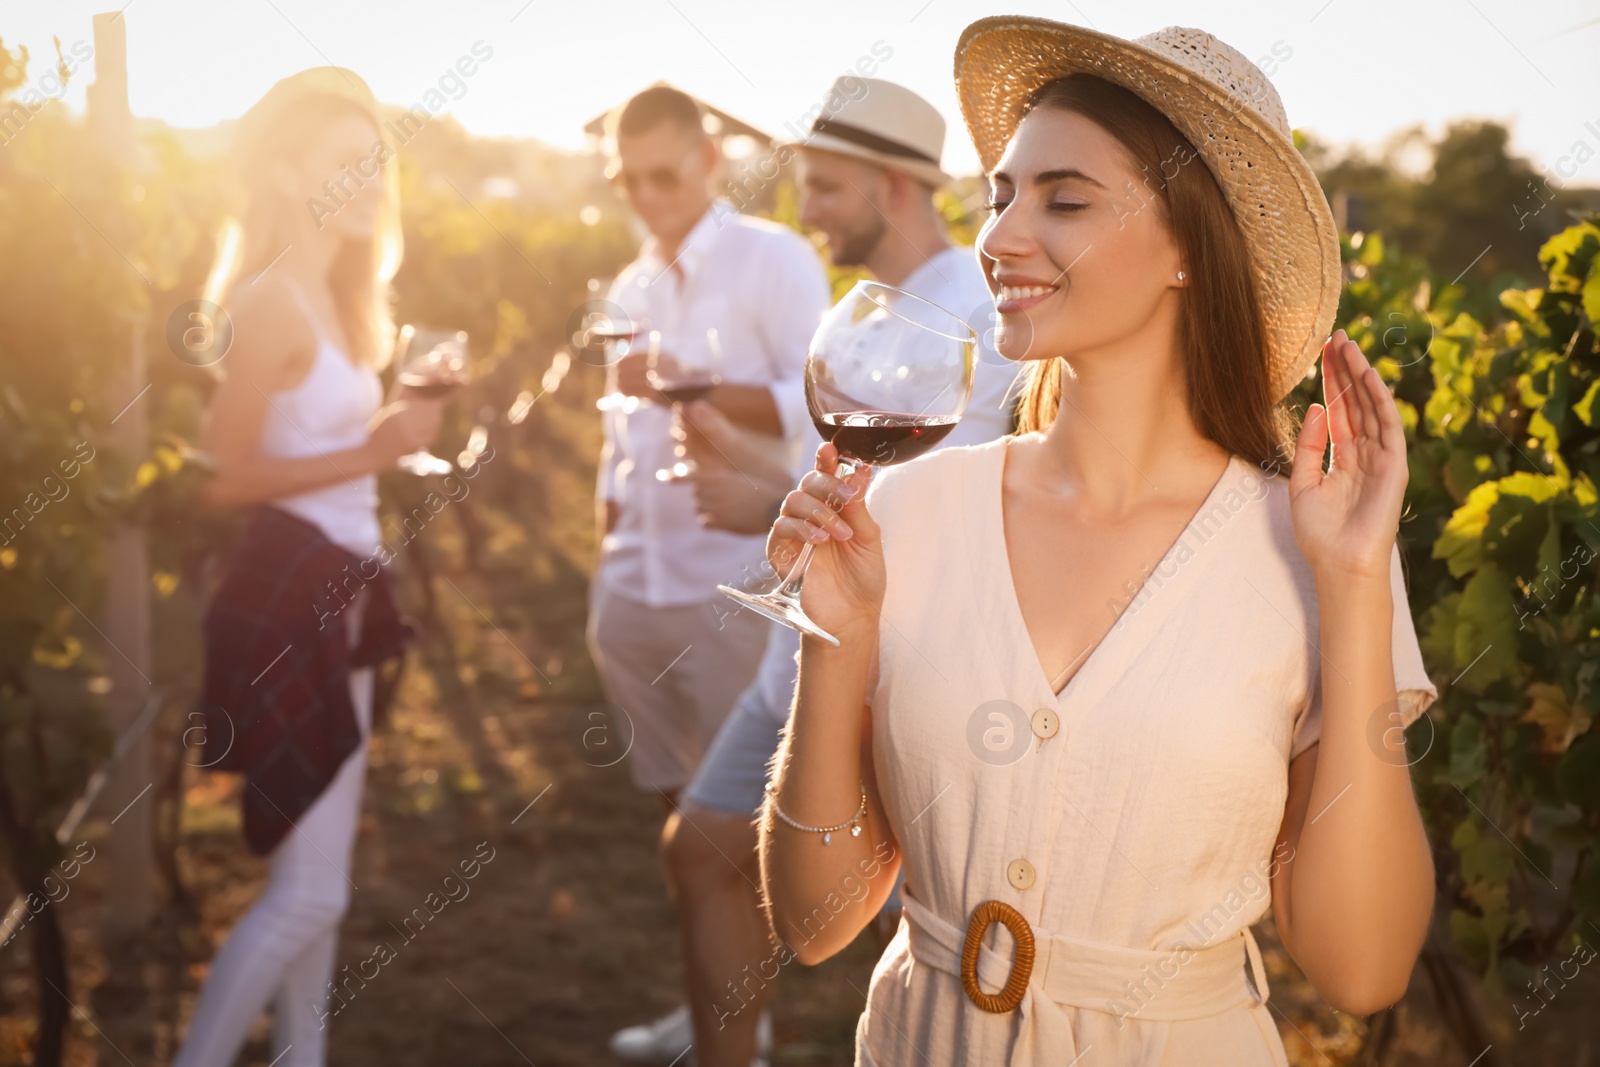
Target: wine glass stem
(791,581)
(788,589)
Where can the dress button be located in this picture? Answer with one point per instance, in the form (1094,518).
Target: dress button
(1046,723)
(1020,874)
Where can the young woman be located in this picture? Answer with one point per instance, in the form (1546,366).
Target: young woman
(298,428)
(1137,667)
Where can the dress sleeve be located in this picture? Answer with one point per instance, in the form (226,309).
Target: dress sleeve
(1414,690)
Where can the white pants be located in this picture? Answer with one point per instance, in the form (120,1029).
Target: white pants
(284,949)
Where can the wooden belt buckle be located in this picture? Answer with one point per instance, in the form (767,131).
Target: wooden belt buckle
(983,916)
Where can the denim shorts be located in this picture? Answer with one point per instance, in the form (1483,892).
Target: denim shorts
(732,777)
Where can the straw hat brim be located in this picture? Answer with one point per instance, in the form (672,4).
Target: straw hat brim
(927,173)
(1276,199)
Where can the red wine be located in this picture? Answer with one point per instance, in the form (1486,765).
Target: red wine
(880,437)
(683,390)
(429,386)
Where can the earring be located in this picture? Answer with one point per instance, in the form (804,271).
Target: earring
(1180,275)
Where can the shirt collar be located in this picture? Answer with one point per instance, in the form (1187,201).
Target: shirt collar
(696,246)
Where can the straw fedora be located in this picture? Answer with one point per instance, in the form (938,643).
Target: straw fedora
(1229,111)
(887,124)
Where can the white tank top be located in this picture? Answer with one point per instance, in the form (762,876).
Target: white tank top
(327,413)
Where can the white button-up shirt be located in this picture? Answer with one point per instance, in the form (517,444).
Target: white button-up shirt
(762,288)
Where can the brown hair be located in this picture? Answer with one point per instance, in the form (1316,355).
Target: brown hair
(1220,327)
(651,107)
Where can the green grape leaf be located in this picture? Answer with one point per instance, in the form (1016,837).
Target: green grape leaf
(1591,296)
(1569,253)
(1468,757)
(1471,938)
(1489,859)
(1486,636)
(1578,773)
(1586,893)
(1585,408)
(1461,542)
(1523,303)
(1516,525)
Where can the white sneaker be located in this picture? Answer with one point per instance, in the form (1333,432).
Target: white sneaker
(665,1040)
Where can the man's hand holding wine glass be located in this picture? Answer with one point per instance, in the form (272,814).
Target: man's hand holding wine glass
(634,374)
(633,377)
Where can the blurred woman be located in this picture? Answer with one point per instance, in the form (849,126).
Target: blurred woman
(1131,679)
(299,432)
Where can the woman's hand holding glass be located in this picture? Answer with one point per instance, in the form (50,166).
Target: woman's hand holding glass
(440,370)
(402,428)
(845,579)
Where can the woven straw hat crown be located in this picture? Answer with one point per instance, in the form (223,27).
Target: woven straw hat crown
(1231,113)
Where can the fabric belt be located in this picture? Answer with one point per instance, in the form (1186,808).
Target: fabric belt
(1122,982)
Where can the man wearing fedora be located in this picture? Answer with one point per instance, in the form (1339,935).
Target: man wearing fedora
(871,167)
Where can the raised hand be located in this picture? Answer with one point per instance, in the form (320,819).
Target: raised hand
(1345,519)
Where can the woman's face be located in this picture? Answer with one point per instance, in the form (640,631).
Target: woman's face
(1076,251)
(339,177)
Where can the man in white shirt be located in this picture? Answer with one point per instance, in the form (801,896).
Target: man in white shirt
(718,291)
(871,168)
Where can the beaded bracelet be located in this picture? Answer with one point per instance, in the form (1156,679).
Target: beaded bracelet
(827,832)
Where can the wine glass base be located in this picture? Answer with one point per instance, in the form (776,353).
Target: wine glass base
(423,464)
(781,610)
(678,472)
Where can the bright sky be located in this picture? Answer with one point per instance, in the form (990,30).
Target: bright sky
(1358,69)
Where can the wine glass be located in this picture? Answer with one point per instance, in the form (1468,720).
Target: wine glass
(619,337)
(681,386)
(888,375)
(440,370)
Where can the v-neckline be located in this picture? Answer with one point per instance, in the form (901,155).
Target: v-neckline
(997,528)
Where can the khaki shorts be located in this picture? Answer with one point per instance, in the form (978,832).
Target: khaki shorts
(673,673)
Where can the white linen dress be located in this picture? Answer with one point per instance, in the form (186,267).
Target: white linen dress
(1131,819)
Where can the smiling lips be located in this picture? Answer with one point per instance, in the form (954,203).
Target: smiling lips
(1014,297)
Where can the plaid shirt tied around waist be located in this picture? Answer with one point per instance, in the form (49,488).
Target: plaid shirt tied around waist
(276,698)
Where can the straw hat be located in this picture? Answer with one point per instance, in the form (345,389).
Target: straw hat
(294,90)
(888,125)
(1229,111)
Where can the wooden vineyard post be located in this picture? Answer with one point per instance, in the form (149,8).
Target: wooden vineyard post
(130,844)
